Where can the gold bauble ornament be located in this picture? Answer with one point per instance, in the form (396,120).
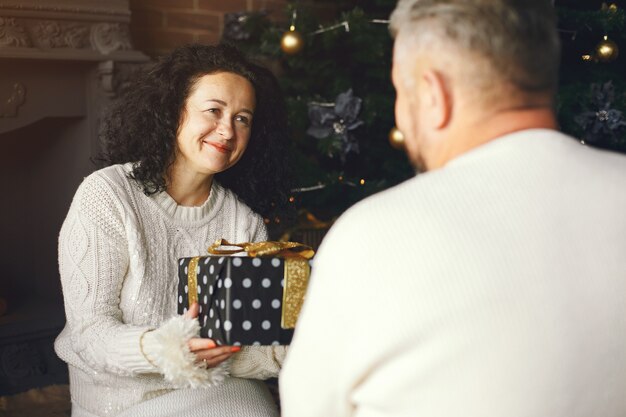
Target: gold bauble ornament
(396,138)
(609,7)
(607,50)
(292,41)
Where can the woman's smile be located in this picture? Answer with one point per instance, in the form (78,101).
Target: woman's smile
(220,147)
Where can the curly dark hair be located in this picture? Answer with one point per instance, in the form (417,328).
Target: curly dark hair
(142,125)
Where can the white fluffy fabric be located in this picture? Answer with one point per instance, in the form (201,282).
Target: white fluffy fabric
(167,347)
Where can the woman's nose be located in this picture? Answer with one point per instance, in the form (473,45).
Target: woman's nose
(225,129)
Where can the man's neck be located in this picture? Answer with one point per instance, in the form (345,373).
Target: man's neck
(490,127)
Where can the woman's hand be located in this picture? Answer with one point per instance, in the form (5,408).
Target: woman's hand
(205,349)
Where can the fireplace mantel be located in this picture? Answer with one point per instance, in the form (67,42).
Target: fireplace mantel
(87,30)
(40,37)
(61,63)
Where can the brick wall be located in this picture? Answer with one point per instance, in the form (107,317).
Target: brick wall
(158,26)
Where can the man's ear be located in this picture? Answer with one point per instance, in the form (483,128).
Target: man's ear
(436,99)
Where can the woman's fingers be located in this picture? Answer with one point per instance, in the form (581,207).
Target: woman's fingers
(216,360)
(200,343)
(214,352)
(207,352)
(193,311)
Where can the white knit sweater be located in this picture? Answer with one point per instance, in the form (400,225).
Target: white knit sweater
(118,251)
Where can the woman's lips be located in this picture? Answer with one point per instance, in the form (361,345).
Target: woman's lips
(219,147)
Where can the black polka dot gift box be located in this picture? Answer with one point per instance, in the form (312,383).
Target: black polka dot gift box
(246,300)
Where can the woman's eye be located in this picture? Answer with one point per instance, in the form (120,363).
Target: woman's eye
(213,111)
(243,119)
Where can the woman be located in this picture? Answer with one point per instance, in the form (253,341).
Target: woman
(196,150)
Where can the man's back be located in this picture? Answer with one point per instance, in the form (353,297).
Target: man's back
(494,286)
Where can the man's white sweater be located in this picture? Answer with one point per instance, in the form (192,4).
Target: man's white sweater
(495,286)
(118,251)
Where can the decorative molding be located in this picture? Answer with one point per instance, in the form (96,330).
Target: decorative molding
(13,34)
(64,8)
(102,37)
(80,30)
(51,34)
(110,37)
(16,99)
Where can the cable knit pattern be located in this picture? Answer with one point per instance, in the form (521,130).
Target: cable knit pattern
(258,362)
(117,258)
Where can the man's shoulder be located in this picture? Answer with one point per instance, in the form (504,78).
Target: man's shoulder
(607,160)
(558,146)
(416,193)
(380,213)
(583,164)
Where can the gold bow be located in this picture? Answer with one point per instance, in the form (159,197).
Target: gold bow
(267,248)
(296,271)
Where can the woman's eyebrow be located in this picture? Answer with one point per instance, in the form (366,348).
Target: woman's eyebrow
(218,101)
(223,103)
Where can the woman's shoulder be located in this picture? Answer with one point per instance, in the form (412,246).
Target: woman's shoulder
(102,198)
(105,186)
(116,174)
(109,178)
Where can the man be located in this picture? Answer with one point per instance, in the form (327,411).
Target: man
(494,284)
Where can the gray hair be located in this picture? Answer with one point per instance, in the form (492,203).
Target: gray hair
(517,38)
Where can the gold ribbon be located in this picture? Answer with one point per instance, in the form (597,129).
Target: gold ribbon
(261,249)
(192,280)
(296,270)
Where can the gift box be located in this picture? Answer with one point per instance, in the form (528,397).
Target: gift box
(246,300)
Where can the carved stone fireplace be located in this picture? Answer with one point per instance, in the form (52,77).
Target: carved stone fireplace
(60,64)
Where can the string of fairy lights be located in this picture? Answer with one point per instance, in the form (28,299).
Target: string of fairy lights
(292,42)
(606,50)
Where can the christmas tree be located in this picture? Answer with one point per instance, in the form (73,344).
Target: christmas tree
(336,78)
(591,99)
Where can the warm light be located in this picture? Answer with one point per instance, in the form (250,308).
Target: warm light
(396,138)
(291,42)
(277,220)
(292,28)
(362,182)
(586,57)
(340,178)
(606,50)
(291,199)
(266,221)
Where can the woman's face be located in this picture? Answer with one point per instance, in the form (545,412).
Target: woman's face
(216,123)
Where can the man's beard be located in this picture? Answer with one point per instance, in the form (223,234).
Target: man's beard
(418,163)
